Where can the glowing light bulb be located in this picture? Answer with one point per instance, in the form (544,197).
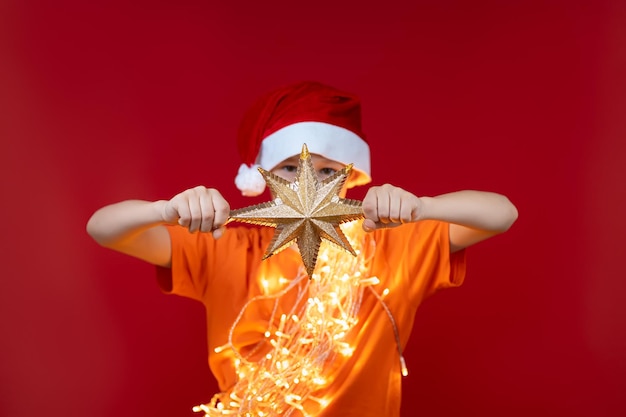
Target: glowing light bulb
(405,370)
(319,380)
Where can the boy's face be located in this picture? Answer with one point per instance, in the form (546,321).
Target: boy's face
(324,168)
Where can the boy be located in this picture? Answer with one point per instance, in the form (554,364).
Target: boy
(279,342)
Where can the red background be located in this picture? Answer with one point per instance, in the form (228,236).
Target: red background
(106,101)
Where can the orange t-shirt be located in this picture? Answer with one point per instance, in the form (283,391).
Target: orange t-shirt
(412,261)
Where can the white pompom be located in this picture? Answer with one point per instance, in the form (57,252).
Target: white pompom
(249,180)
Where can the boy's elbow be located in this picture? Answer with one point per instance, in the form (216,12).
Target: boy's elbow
(93,230)
(511,215)
(89,228)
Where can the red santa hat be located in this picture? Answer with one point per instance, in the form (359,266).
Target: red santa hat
(276,126)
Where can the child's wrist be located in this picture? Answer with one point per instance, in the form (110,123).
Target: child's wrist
(425,208)
(160,212)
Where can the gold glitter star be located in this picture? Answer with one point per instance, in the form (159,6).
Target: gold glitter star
(305,210)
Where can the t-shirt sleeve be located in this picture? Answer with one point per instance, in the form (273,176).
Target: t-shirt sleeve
(424,254)
(188,275)
(200,262)
(446,269)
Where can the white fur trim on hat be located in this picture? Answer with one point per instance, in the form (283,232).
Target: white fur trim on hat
(330,141)
(249,180)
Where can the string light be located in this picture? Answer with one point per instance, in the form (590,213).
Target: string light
(305,339)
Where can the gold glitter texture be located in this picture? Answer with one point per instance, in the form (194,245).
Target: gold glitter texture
(305,211)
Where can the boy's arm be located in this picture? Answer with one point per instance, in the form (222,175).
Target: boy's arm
(136,227)
(473,215)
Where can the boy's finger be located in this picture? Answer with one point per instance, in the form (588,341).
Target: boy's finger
(219,232)
(195,212)
(222,212)
(368,225)
(394,210)
(383,207)
(208,213)
(184,216)
(381,225)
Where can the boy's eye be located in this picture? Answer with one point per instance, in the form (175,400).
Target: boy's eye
(327,172)
(289,168)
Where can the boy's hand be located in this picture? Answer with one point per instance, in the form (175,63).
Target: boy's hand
(389,206)
(198,209)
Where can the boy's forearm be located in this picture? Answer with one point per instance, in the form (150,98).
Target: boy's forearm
(113,224)
(481,210)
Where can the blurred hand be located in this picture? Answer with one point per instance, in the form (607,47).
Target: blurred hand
(389,206)
(198,209)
